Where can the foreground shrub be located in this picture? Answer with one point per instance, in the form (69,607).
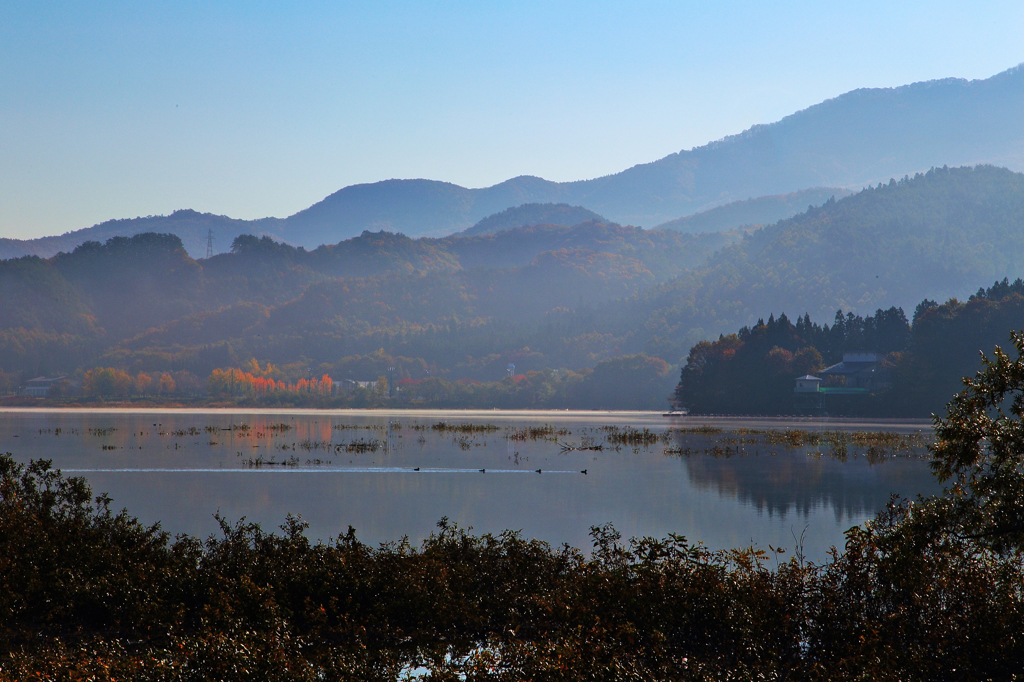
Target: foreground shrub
(89,594)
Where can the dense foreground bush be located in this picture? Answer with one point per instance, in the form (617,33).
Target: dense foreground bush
(929,590)
(89,594)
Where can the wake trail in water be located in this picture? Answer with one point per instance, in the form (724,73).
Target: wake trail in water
(311,470)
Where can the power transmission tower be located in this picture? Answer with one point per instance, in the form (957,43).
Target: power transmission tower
(209,243)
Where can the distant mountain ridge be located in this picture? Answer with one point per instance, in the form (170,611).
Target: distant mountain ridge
(191,226)
(864,136)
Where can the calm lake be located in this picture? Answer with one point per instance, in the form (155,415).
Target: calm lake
(391,474)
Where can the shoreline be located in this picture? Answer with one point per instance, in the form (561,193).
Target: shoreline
(726,422)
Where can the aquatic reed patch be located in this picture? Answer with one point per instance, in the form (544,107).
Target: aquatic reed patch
(309,445)
(357,427)
(875,446)
(361,445)
(633,437)
(262,463)
(543,432)
(445,427)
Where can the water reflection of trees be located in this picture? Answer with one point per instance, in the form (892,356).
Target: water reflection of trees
(793,481)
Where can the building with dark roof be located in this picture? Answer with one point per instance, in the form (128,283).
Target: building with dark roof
(859,374)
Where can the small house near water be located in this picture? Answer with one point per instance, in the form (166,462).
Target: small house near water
(40,386)
(859,374)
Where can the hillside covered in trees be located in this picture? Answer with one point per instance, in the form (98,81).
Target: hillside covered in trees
(752,371)
(551,299)
(353,309)
(936,235)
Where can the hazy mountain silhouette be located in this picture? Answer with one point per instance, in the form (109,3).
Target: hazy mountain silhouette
(191,226)
(864,136)
(533,214)
(760,211)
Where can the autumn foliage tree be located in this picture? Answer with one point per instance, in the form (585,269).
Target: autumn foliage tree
(236,382)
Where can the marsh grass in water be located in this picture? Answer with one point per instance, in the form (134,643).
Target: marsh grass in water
(633,437)
(445,427)
(261,463)
(709,440)
(356,427)
(361,445)
(544,432)
(875,446)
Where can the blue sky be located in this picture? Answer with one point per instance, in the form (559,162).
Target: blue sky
(249,109)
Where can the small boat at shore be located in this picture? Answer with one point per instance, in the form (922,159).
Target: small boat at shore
(681,412)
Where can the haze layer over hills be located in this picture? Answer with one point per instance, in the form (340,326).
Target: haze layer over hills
(544,296)
(760,211)
(864,136)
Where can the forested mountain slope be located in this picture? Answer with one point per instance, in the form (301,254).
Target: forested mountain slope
(545,296)
(752,371)
(936,235)
(146,297)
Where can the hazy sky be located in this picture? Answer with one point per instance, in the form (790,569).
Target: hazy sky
(250,109)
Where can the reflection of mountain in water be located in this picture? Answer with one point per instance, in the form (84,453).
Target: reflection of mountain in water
(792,480)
